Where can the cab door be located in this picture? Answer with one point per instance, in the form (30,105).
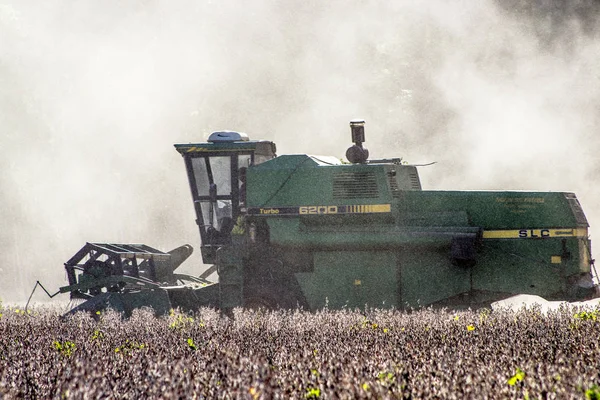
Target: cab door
(216,185)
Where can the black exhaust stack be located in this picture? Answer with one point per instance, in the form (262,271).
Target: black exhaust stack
(357,154)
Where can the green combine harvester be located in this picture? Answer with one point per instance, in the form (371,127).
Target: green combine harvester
(304,231)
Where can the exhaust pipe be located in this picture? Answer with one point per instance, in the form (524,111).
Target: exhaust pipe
(357,154)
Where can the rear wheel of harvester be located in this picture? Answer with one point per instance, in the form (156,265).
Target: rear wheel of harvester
(260,297)
(269,284)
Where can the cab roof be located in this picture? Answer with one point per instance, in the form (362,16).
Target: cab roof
(220,146)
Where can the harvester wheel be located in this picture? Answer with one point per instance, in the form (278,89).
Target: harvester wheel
(257,297)
(258,302)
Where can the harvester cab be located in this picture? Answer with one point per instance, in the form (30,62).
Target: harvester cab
(216,172)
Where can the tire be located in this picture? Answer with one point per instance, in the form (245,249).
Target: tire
(259,297)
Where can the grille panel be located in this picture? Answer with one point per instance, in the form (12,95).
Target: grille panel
(393,182)
(576,208)
(355,185)
(415,183)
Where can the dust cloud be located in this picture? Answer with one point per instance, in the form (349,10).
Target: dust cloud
(503,95)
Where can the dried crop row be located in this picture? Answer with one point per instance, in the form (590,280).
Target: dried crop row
(295,354)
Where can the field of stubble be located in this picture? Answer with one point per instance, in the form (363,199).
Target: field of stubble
(294,354)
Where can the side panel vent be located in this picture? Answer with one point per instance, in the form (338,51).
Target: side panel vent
(407,178)
(415,183)
(576,208)
(355,185)
(394,188)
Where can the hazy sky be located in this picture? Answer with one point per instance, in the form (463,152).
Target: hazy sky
(503,95)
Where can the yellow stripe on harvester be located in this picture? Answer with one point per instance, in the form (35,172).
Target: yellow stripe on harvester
(536,233)
(369,208)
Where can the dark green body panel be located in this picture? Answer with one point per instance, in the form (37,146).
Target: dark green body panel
(354,278)
(489,209)
(404,256)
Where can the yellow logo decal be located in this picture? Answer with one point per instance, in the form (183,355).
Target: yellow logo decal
(535,233)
